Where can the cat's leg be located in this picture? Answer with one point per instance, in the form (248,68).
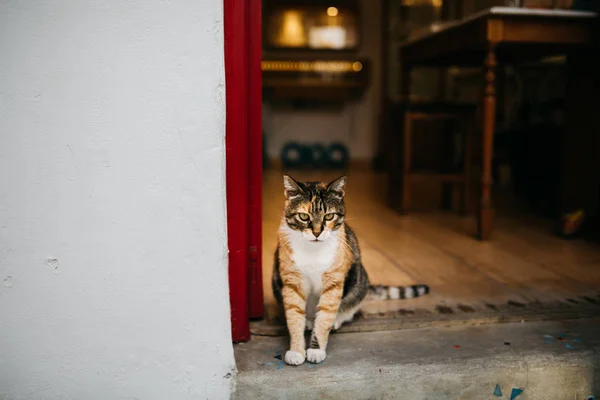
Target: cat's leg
(294,302)
(309,324)
(356,286)
(329,303)
(344,316)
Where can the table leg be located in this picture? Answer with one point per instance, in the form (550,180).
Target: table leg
(406,142)
(397,184)
(406,163)
(580,169)
(485,217)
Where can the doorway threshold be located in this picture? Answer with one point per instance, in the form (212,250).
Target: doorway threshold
(458,315)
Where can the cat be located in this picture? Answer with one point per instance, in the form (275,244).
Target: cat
(318,276)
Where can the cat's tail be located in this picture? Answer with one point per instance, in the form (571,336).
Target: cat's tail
(381,292)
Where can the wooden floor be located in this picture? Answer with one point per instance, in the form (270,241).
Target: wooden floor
(523,264)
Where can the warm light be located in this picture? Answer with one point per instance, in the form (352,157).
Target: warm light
(312,66)
(327,37)
(292,34)
(332,11)
(433,3)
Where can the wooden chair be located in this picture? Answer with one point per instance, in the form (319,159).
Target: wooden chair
(461,175)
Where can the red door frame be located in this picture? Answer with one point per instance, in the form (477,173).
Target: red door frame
(243,143)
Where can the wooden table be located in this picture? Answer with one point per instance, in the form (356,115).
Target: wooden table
(496,36)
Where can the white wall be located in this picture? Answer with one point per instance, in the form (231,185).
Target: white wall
(357,125)
(113,279)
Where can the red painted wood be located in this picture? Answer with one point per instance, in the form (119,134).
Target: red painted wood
(236,143)
(255,153)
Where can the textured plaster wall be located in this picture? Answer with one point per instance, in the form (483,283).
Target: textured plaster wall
(113,258)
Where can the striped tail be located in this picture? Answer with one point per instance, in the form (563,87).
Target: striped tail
(381,292)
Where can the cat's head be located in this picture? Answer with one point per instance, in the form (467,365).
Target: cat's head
(315,209)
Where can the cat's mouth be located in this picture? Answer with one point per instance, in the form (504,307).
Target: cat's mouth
(316,241)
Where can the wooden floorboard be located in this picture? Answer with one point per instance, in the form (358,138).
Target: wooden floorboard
(523,264)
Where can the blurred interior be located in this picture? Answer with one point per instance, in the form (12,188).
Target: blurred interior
(331,86)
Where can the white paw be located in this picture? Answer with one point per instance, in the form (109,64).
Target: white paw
(293,358)
(315,355)
(337,325)
(309,325)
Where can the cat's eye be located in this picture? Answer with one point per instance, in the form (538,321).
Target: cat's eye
(303,217)
(329,217)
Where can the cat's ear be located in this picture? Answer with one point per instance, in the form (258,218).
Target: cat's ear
(338,186)
(291,187)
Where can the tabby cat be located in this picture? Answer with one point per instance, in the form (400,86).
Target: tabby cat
(318,275)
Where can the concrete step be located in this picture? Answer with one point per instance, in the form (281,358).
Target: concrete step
(433,363)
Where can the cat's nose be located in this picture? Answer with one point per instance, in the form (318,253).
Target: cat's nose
(317,233)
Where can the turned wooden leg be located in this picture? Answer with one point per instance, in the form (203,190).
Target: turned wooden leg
(465,192)
(448,162)
(404,181)
(580,171)
(394,169)
(485,217)
(447,195)
(406,162)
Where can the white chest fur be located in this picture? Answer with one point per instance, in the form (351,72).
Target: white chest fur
(312,259)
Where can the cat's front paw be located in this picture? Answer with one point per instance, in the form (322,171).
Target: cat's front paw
(316,356)
(293,358)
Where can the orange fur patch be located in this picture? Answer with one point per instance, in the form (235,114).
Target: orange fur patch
(294,294)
